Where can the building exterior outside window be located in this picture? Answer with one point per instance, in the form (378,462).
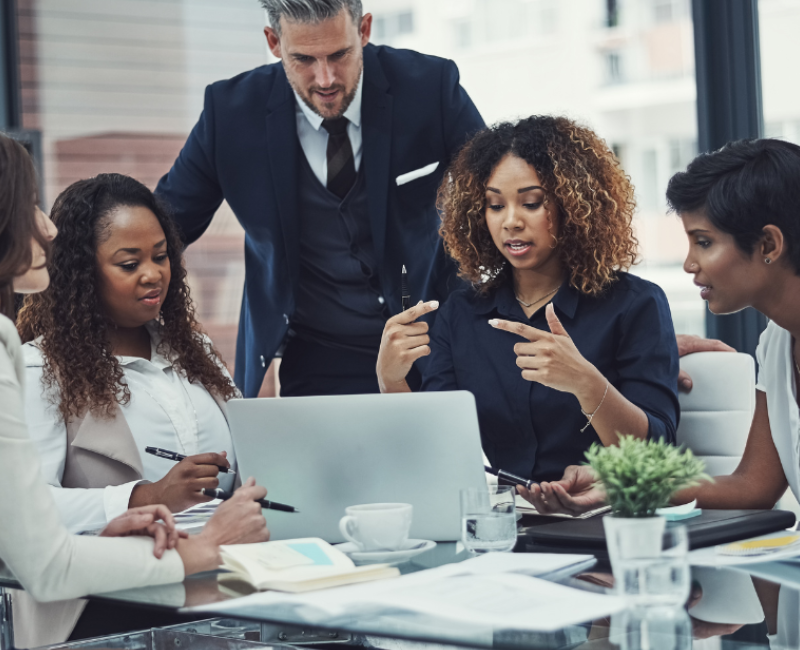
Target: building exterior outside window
(116,85)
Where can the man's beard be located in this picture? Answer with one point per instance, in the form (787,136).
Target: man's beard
(346,101)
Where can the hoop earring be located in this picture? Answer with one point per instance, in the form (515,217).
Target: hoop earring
(554,245)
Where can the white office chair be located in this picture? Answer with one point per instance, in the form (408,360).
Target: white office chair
(716,414)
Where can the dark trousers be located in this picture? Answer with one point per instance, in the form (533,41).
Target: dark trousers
(309,368)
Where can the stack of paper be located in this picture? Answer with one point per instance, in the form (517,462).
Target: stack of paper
(192,520)
(712,556)
(497,590)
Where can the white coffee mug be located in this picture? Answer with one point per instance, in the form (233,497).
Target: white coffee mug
(377,526)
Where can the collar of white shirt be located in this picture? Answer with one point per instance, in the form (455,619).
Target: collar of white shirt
(156,358)
(353,112)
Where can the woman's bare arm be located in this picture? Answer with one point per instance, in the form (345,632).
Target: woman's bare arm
(759,480)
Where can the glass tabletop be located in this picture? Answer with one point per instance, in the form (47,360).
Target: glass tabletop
(756,607)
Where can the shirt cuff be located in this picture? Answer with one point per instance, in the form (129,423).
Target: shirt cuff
(117,497)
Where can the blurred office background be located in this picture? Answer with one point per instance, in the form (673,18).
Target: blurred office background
(116,85)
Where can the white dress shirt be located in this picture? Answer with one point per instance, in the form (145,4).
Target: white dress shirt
(49,563)
(314,138)
(165,410)
(776,379)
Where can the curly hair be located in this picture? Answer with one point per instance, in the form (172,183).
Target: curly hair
(69,316)
(579,173)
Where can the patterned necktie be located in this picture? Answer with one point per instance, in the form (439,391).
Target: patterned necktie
(341,166)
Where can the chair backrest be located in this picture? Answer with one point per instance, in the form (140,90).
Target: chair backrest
(717,413)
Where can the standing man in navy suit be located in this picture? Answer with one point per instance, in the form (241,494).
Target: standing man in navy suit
(330,160)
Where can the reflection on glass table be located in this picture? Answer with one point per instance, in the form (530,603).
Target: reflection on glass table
(730,605)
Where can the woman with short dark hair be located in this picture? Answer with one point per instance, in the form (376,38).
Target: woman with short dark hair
(740,207)
(559,344)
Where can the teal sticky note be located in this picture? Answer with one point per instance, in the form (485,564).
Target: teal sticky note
(681,516)
(313,552)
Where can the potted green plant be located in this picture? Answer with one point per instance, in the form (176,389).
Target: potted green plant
(639,477)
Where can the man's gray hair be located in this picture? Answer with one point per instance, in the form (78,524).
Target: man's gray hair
(308,11)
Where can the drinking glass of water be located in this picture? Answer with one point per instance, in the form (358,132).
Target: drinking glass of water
(657,576)
(489,519)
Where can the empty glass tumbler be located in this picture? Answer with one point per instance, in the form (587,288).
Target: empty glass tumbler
(489,519)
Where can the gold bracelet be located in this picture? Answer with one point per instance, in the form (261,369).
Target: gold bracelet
(587,415)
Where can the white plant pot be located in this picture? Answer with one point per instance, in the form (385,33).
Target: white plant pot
(632,538)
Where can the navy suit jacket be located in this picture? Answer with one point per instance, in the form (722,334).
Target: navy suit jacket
(245,149)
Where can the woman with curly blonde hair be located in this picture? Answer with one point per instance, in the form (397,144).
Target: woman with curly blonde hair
(537,215)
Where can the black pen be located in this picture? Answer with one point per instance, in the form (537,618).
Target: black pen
(507,478)
(271,505)
(174,455)
(405,296)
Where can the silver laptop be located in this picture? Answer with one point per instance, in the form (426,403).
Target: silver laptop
(321,454)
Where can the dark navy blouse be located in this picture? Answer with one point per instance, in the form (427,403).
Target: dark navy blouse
(527,428)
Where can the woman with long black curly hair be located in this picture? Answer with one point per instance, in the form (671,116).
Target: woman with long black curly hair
(51,564)
(121,361)
(537,215)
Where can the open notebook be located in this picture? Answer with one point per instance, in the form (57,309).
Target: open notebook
(296,565)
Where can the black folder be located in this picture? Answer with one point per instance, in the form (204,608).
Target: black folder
(711,527)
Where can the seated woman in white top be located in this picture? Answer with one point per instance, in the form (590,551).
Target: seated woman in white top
(740,207)
(117,362)
(51,564)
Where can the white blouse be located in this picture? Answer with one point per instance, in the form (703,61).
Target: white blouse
(49,563)
(165,410)
(776,379)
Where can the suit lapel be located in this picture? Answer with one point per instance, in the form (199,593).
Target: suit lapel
(282,150)
(376,119)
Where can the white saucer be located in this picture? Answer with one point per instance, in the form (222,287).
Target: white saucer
(412,548)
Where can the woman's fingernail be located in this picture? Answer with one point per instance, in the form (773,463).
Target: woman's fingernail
(493,322)
(434,304)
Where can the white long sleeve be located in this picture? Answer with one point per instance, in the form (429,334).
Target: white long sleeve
(50,563)
(81,509)
(165,410)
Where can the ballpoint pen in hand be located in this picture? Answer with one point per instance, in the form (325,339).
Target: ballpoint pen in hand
(507,478)
(271,505)
(405,295)
(174,455)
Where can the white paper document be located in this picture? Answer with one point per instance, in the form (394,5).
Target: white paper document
(492,591)
(710,557)
(534,564)
(503,601)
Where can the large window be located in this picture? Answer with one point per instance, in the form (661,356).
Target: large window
(623,67)
(116,86)
(779,21)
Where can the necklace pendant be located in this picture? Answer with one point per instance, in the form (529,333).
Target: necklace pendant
(531,304)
